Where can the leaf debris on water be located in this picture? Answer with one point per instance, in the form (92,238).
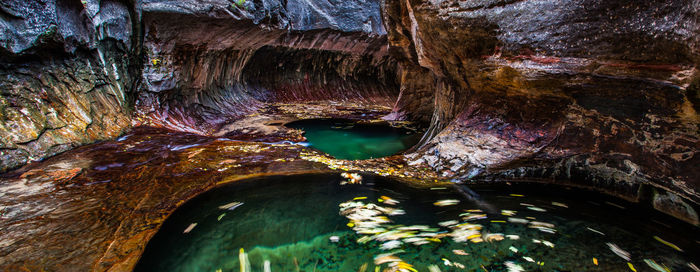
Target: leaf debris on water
(460,252)
(190,227)
(508,212)
(619,252)
(537,209)
(513,267)
(559,204)
(594,230)
(388,200)
(231,206)
(351,178)
(446,202)
(657,238)
(656,266)
(693,267)
(631,267)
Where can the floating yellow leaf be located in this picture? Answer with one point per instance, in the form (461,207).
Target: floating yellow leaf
(631,267)
(667,243)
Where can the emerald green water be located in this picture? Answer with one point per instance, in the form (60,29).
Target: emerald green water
(288,221)
(344,139)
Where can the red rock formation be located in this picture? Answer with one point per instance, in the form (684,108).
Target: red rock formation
(591,92)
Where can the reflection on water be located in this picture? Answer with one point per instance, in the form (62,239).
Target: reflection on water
(349,140)
(313,223)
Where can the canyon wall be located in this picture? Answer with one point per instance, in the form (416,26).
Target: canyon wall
(222,60)
(601,94)
(74,72)
(66,67)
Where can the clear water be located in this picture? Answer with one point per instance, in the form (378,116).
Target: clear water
(344,139)
(290,221)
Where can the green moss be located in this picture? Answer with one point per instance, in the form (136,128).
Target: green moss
(240,4)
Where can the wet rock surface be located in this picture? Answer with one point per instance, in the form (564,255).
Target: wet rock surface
(54,105)
(190,68)
(594,94)
(537,89)
(345,16)
(208,68)
(65,72)
(96,207)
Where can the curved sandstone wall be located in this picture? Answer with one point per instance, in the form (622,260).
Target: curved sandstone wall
(220,61)
(601,94)
(595,92)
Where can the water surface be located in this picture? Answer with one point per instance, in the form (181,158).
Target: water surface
(313,223)
(349,140)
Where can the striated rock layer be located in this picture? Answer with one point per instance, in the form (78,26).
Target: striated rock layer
(603,94)
(599,93)
(66,68)
(221,61)
(596,94)
(72,71)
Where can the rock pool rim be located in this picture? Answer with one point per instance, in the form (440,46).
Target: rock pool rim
(533,187)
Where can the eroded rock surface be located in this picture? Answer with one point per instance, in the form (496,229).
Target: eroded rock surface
(598,94)
(594,91)
(95,208)
(64,76)
(221,60)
